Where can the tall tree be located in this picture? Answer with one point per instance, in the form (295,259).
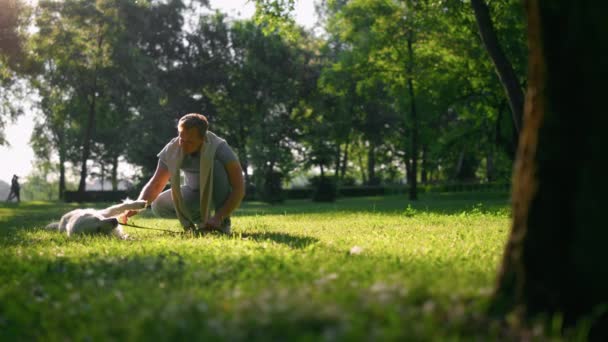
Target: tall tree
(175,68)
(84,30)
(96,68)
(266,75)
(504,68)
(13,14)
(54,132)
(553,262)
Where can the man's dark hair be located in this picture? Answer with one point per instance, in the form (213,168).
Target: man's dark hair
(194,120)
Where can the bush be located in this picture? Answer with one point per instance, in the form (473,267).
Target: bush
(94,196)
(271,190)
(325,189)
(358,191)
(348,181)
(299,193)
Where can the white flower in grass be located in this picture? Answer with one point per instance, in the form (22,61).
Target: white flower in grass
(328,278)
(379,287)
(356,250)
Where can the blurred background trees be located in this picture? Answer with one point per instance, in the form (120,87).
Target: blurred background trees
(392,93)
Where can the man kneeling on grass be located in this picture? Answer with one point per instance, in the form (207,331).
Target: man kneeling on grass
(213,177)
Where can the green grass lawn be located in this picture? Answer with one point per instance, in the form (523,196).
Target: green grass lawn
(423,272)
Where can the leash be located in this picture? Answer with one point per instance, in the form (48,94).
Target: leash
(148,228)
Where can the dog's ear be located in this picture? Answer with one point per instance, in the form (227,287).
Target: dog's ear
(113,221)
(107,225)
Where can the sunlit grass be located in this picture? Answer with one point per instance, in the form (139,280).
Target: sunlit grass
(367,268)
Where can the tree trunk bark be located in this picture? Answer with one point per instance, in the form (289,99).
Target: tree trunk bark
(371,164)
(88,136)
(509,146)
(362,168)
(338,161)
(424,166)
(243,156)
(102,168)
(503,66)
(61,142)
(413,193)
(245,166)
(344,160)
(490,165)
(408,171)
(61,175)
(115,173)
(554,258)
(459,164)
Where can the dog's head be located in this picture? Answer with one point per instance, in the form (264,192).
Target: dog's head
(91,222)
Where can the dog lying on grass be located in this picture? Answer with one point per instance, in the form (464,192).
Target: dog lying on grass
(92,221)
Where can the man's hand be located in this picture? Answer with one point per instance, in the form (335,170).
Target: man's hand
(125,216)
(212,223)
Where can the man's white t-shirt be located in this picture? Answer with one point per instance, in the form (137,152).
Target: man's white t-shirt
(191,163)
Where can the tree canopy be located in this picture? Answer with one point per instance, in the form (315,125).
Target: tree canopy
(391,93)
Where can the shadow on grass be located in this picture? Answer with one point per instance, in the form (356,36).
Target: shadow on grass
(39,214)
(447,203)
(293,241)
(32,214)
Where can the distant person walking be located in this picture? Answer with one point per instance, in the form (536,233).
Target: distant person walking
(15,189)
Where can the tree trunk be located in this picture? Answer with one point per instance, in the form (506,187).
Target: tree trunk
(424,166)
(243,156)
(408,171)
(362,168)
(86,144)
(459,164)
(554,258)
(413,194)
(371,164)
(344,160)
(88,135)
(61,167)
(245,166)
(102,168)
(490,165)
(509,146)
(503,66)
(114,173)
(338,160)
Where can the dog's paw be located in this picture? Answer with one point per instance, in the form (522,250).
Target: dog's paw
(135,205)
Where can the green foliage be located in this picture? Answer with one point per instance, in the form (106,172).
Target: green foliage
(85,67)
(37,186)
(285,100)
(264,82)
(276,17)
(13,24)
(375,267)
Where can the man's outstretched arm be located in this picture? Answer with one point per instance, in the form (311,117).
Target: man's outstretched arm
(152,189)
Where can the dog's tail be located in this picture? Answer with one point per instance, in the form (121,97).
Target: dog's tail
(53,226)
